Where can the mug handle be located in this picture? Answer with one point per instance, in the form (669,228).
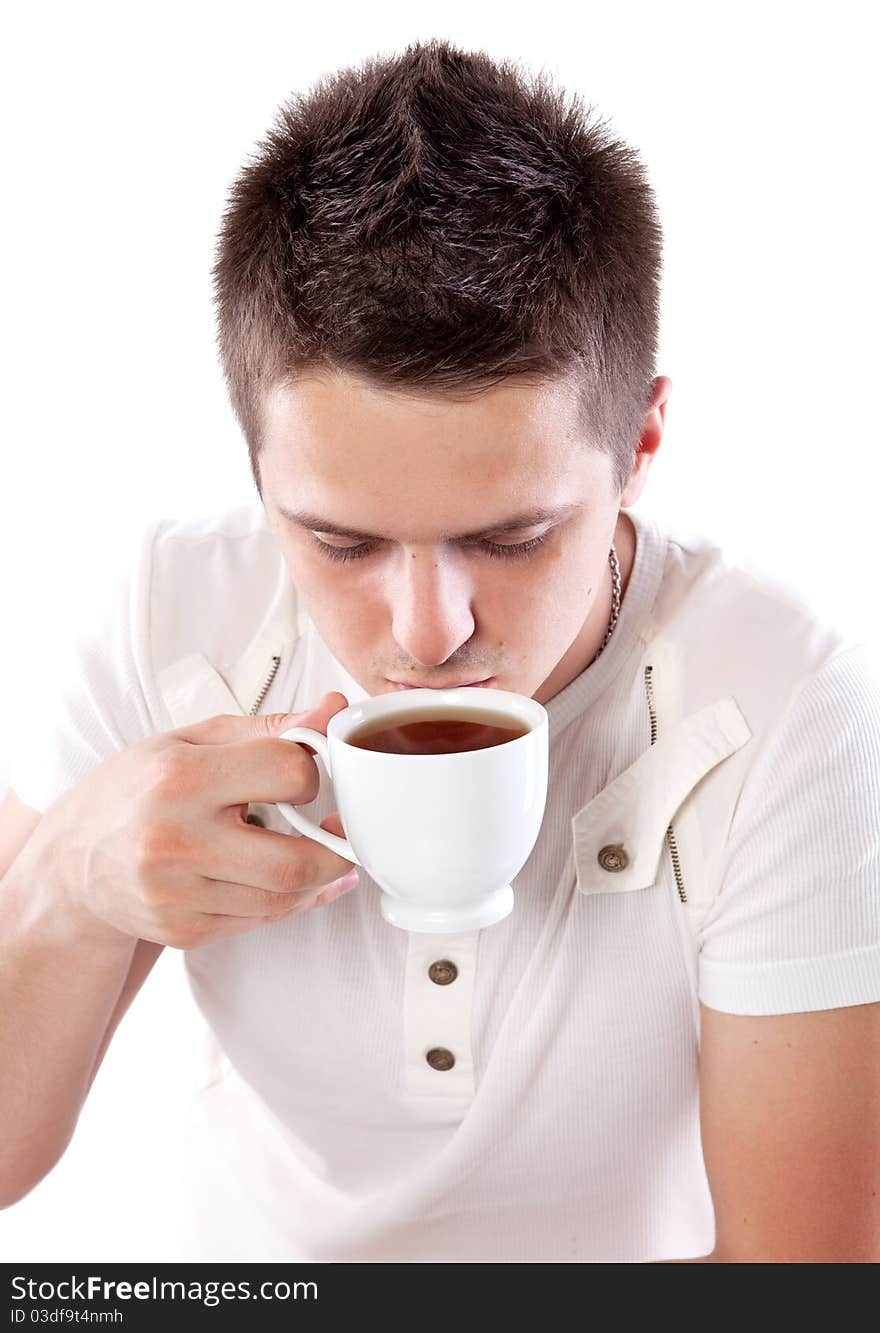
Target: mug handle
(299,821)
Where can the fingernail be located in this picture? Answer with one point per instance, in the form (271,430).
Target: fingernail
(350,880)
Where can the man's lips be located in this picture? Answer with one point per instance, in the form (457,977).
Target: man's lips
(470,684)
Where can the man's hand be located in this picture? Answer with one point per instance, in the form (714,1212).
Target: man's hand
(154,843)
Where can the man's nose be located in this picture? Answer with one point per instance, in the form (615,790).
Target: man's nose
(432,594)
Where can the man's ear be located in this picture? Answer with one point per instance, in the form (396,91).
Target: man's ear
(649,441)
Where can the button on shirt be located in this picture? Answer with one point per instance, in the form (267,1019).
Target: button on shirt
(529,1091)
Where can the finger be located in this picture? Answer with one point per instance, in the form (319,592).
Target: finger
(220,897)
(220,753)
(266,770)
(217,898)
(324,896)
(337,890)
(227,728)
(262,768)
(248,855)
(222,925)
(219,925)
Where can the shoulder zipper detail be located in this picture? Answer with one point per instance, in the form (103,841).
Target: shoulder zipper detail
(276,662)
(670,834)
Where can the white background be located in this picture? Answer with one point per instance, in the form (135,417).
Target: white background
(123,127)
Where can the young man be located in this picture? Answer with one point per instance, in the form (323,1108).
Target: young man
(437,292)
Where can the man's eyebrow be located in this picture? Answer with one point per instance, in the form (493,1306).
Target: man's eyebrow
(527,519)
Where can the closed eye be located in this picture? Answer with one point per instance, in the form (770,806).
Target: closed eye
(494,549)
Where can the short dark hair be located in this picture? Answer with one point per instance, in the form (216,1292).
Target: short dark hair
(438,221)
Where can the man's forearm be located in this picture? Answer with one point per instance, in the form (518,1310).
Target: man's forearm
(60,976)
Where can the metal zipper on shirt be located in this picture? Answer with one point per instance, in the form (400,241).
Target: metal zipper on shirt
(276,662)
(670,834)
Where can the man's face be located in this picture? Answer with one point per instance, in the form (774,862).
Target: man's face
(420,600)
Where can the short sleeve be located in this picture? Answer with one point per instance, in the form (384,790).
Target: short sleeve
(795,925)
(101,698)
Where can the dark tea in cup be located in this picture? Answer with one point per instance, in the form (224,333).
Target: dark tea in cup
(437,731)
(443,838)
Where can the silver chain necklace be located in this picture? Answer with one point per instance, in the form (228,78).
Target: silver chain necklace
(615,598)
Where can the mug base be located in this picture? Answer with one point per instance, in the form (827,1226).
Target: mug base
(447,920)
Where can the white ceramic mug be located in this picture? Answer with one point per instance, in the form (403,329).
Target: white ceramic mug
(442,835)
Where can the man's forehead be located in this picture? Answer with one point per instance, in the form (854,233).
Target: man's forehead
(340,401)
(349,467)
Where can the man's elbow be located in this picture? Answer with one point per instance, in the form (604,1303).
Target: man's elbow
(18,1176)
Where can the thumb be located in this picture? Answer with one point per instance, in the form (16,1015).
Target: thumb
(225,728)
(328,705)
(316,718)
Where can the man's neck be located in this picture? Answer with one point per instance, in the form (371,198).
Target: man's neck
(587,644)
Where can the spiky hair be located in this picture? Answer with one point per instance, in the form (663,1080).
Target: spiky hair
(438,221)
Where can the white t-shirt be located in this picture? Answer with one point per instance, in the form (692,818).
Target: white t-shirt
(727,739)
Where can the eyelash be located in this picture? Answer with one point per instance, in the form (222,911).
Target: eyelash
(493,549)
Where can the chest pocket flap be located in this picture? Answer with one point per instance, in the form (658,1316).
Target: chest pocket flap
(192,690)
(619,835)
